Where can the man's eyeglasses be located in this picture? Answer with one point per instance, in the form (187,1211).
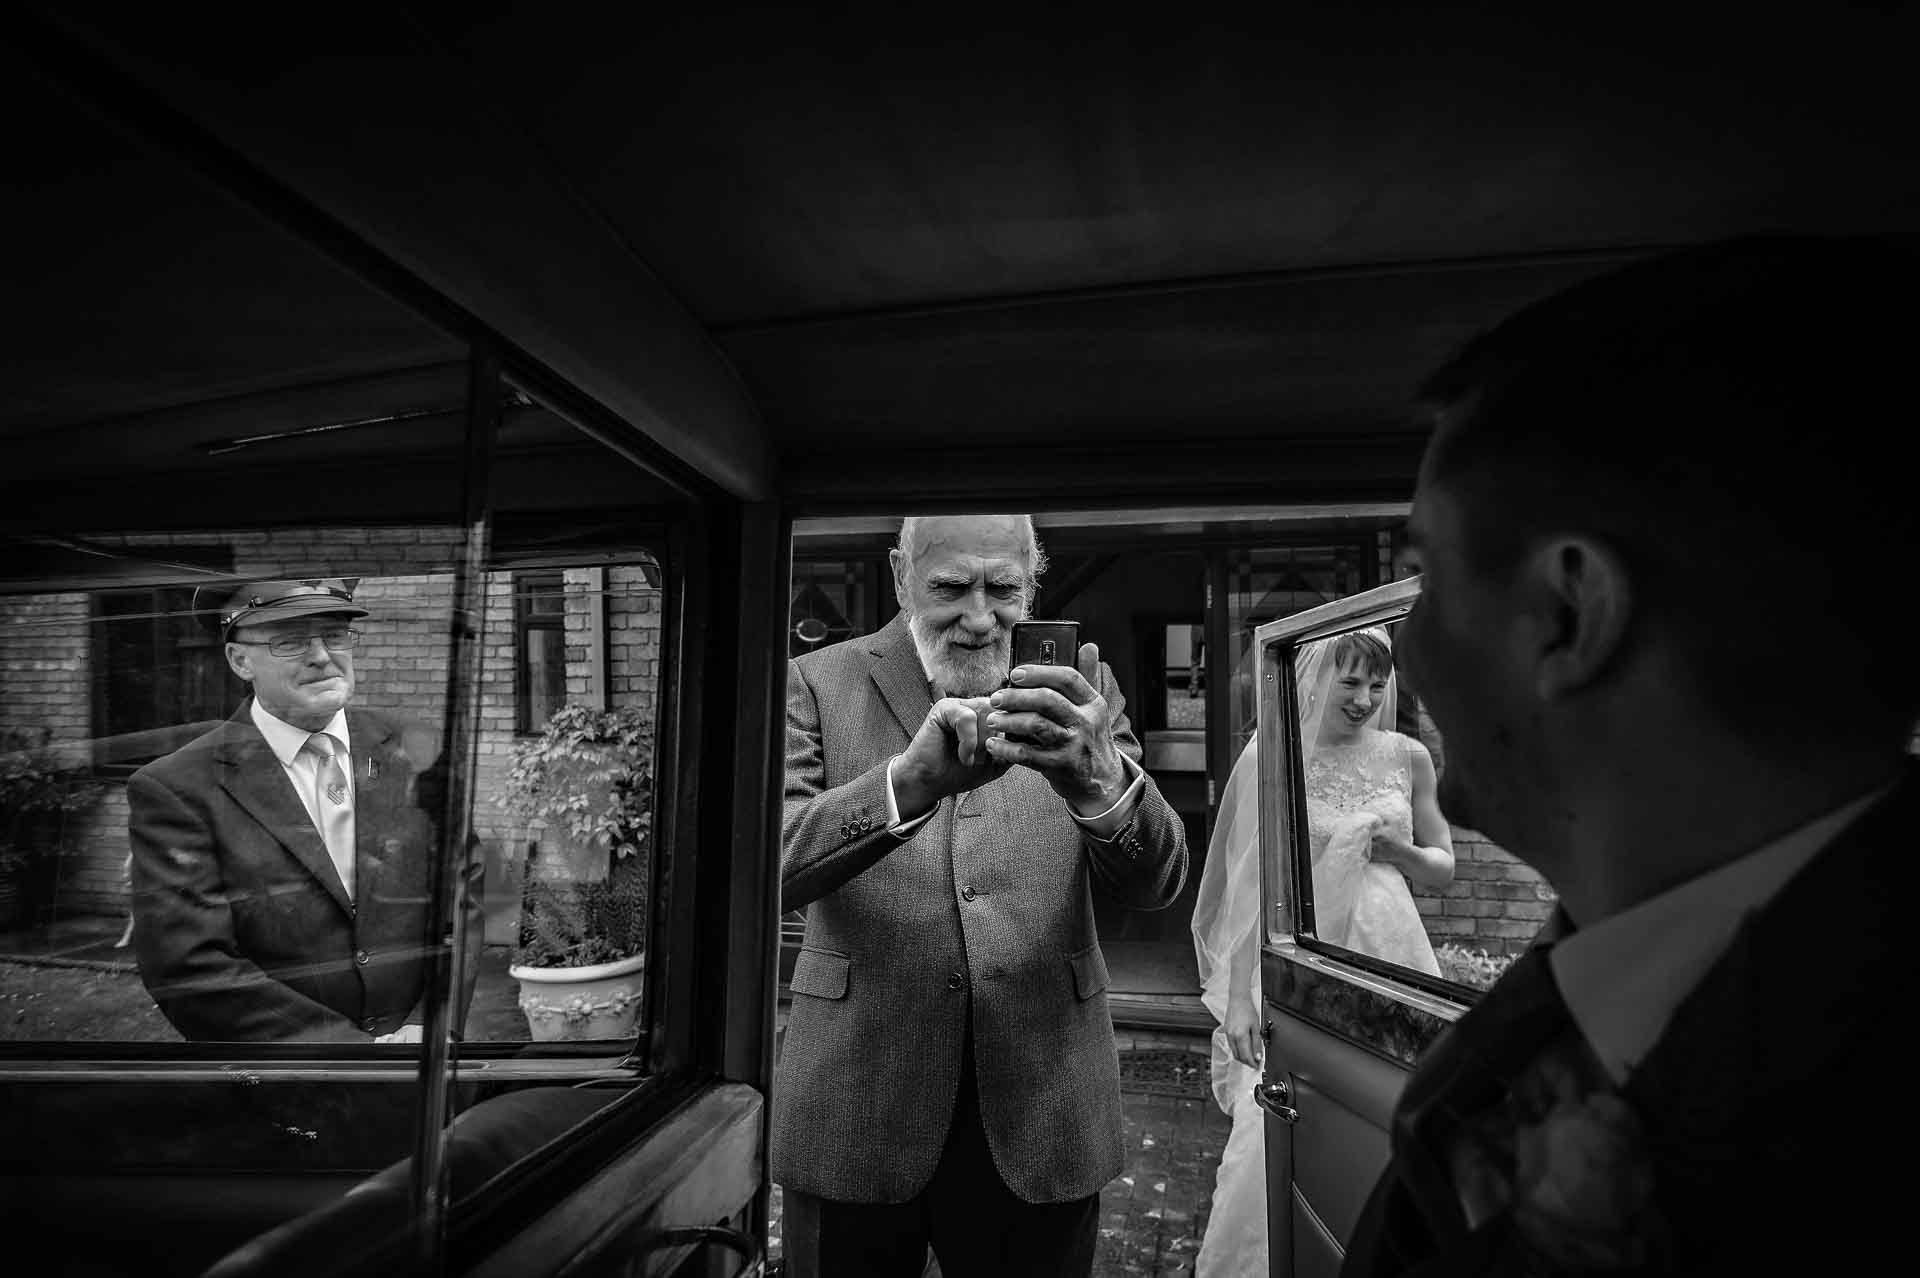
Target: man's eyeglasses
(336,638)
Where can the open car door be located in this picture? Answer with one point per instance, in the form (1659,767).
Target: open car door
(1344,1027)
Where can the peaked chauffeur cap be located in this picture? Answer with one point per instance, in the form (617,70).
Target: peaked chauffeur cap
(229,605)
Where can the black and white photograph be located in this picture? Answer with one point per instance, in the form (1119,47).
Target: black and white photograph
(1067,641)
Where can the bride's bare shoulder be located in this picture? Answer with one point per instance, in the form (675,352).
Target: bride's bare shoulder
(1414,747)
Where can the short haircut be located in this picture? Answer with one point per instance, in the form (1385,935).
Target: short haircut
(1726,418)
(1364,652)
(1036,557)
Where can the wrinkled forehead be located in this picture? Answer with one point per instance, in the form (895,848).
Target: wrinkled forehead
(978,546)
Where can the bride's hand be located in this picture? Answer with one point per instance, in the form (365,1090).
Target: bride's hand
(1245,1038)
(1391,845)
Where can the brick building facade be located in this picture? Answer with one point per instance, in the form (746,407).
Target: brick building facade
(609,628)
(1494,903)
(52,675)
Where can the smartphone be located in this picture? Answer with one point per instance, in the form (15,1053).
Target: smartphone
(1045,643)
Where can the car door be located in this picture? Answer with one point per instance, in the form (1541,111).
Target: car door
(1344,1026)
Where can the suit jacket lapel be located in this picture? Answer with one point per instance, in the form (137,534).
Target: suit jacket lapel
(899,676)
(251,773)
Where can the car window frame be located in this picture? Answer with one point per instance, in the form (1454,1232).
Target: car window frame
(1283,818)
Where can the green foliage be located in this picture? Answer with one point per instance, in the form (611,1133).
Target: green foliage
(36,786)
(564,924)
(589,774)
(1474,968)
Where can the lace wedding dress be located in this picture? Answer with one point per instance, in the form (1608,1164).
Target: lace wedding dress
(1363,904)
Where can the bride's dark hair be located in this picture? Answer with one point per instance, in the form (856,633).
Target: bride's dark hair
(1364,651)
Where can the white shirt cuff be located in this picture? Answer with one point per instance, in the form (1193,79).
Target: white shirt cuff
(895,826)
(1107,824)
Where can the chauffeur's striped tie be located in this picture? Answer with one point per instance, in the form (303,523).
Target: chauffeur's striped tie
(332,805)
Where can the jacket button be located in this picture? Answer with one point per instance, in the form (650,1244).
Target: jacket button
(955,981)
(966,894)
(361,957)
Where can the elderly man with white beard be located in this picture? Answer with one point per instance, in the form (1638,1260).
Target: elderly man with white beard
(948,1076)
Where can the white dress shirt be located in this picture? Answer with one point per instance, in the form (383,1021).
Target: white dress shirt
(288,745)
(1624,977)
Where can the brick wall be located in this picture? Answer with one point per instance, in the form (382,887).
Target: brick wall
(44,673)
(1494,903)
(46,682)
(400,667)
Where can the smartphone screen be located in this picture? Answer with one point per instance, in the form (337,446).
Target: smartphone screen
(1045,643)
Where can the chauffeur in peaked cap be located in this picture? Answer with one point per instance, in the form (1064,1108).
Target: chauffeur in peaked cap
(228,605)
(282,862)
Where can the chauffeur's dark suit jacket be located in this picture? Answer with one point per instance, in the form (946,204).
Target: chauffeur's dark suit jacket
(988,904)
(1777,1108)
(242,928)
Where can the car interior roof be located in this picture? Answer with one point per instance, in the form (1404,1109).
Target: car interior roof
(1104,263)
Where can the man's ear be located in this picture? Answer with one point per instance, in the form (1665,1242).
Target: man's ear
(900,567)
(240,661)
(1583,602)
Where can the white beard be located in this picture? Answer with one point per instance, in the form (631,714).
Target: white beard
(960,674)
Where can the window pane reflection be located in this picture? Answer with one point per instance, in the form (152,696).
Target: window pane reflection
(1363,781)
(157,837)
(565,813)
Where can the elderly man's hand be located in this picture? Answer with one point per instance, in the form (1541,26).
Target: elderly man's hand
(1054,721)
(946,756)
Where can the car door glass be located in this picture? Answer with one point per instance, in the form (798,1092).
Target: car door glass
(1369,848)
(567,775)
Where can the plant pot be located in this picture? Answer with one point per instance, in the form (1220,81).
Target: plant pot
(602,1001)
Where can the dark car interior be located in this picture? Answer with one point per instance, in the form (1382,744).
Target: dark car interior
(776,264)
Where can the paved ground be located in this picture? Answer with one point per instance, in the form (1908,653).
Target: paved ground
(1153,1214)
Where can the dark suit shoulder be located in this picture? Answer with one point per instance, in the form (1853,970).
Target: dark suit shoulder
(417,739)
(195,757)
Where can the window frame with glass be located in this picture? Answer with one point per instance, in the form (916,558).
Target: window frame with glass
(273,1134)
(1390,1009)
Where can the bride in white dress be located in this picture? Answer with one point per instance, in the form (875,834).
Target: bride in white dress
(1372,822)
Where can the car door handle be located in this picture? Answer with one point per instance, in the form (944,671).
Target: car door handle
(1273,1098)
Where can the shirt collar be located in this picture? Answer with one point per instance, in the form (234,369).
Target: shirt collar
(1623,977)
(285,740)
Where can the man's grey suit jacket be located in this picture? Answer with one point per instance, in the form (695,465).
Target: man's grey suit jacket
(989,904)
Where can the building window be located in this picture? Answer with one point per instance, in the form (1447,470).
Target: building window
(540,647)
(160,675)
(835,599)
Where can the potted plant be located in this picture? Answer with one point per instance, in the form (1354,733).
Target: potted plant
(587,783)
(38,788)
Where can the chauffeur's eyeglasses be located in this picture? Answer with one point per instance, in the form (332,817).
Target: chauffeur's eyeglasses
(336,638)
